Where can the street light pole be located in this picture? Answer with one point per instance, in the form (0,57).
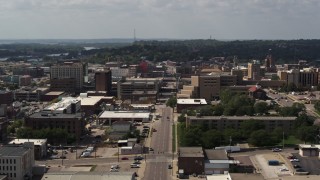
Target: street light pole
(118,154)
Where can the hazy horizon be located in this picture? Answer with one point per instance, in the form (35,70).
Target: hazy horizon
(160,19)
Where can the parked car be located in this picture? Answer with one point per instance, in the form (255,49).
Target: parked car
(296,166)
(276,150)
(294,160)
(136,162)
(151,149)
(138,158)
(115,166)
(283,169)
(124,158)
(292,157)
(134,165)
(114,170)
(169,166)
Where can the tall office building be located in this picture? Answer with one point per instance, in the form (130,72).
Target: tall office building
(306,78)
(254,72)
(68,76)
(103,81)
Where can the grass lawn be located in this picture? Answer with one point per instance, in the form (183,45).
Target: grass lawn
(180,133)
(173,138)
(291,140)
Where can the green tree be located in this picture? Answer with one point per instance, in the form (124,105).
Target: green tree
(262,138)
(307,133)
(211,138)
(172,102)
(182,118)
(304,120)
(218,110)
(206,110)
(317,105)
(249,126)
(192,136)
(261,108)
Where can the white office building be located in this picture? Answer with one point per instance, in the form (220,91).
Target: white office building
(17,161)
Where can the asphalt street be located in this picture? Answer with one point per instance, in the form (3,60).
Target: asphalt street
(157,169)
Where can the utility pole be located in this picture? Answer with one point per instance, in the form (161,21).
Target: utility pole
(282,139)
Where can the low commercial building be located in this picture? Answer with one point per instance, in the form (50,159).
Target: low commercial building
(309,150)
(96,175)
(67,105)
(135,149)
(6,97)
(52,95)
(73,123)
(40,146)
(119,129)
(191,160)
(17,161)
(223,122)
(3,129)
(183,104)
(108,117)
(217,161)
(29,94)
(92,104)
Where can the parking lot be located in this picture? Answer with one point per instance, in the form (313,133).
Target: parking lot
(309,164)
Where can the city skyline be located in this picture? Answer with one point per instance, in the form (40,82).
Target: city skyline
(175,19)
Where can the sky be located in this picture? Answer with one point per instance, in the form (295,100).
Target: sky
(173,19)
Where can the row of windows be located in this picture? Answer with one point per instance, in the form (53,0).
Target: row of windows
(7,168)
(8,161)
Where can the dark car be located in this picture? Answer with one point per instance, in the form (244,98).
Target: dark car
(169,166)
(124,158)
(138,158)
(297,166)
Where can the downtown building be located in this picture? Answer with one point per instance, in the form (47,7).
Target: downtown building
(16,161)
(68,76)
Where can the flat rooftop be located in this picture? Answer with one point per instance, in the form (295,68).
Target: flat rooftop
(309,146)
(54,93)
(219,177)
(191,101)
(124,114)
(89,101)
(191,152)
(88,175)
(55,116)
(63,104)
(216,154)
(12,151)
(237,118)
(35,141)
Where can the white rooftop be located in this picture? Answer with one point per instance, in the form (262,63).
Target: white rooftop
(191,101)
(89,101)
(87,175)
(219,177)
(35,141)
(124,114)
(61,105)
(309,146)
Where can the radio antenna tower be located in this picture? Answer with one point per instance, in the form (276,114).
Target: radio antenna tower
(134,35)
